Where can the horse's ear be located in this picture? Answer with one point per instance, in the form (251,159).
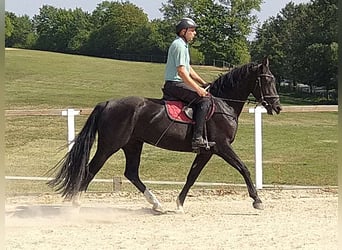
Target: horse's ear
(265,61)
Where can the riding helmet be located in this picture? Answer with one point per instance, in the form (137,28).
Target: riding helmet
(185,23)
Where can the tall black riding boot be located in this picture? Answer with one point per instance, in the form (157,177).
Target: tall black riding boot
(200,113)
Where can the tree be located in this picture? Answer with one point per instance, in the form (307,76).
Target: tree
(8,26)
(305,55)
(268,43)
(19,31)
(115,25)
(162,34)
(60,29)
(278,38)
(223,26)
(175,10)
(321,44)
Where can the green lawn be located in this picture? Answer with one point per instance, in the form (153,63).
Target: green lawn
(299,148)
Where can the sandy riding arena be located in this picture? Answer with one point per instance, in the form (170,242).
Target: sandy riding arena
(213,219)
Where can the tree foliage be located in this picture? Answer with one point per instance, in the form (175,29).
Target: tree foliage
(301,40)
(116,27)
(302,43)
(223,26)
(19,31)
(60,29)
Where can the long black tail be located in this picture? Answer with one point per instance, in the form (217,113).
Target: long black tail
(73,168)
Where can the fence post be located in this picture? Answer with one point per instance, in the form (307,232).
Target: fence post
(258,143)
(70,113)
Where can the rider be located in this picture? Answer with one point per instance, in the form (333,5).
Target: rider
(183,83)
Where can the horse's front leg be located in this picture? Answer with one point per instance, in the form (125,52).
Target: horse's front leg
(231,157)
(196,168)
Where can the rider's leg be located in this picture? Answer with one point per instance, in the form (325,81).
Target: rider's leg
(201,111)
(201,107)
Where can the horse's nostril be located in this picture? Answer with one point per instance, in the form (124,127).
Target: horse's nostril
(278,109)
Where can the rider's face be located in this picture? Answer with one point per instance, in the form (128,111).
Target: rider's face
(189,34)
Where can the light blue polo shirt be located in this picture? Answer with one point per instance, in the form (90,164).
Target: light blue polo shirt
(178,55)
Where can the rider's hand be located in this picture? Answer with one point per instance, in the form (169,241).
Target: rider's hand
(202,92)
(205,85)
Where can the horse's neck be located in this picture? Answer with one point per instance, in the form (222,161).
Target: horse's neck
(237,108)
(235,96)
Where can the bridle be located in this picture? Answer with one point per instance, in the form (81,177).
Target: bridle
(258,84)
(262,95)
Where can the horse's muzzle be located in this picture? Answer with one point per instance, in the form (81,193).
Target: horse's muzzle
(275,106)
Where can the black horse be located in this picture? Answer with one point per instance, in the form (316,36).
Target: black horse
(130,122)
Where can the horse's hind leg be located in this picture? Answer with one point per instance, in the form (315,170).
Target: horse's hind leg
(96,163)
(132,152)
(196,168)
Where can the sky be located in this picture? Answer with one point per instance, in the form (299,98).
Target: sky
(151,7)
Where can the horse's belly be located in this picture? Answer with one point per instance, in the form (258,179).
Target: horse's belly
(168,135)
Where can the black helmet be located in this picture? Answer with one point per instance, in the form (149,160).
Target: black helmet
(185,23)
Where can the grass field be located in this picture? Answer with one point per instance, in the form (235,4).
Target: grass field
(299,148)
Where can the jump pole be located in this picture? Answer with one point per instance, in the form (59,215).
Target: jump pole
(258,110)
(70,113)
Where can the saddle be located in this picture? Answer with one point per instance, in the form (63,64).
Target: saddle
(178,111)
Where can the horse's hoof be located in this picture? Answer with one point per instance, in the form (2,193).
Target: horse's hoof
(157,208)
(258,205)
(179,209)
(76,204)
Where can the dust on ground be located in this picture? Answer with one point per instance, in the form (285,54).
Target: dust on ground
(213,219)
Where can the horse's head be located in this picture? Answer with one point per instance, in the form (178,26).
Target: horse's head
(265,88)
(235,86)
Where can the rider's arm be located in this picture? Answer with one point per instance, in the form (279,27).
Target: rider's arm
(190,81)
(196,77)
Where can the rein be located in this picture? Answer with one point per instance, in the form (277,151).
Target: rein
(258,83)
(236,100)
(262,101)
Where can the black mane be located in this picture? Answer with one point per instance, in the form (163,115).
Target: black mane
(231,79)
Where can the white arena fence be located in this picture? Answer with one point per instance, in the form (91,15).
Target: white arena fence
(117,181)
